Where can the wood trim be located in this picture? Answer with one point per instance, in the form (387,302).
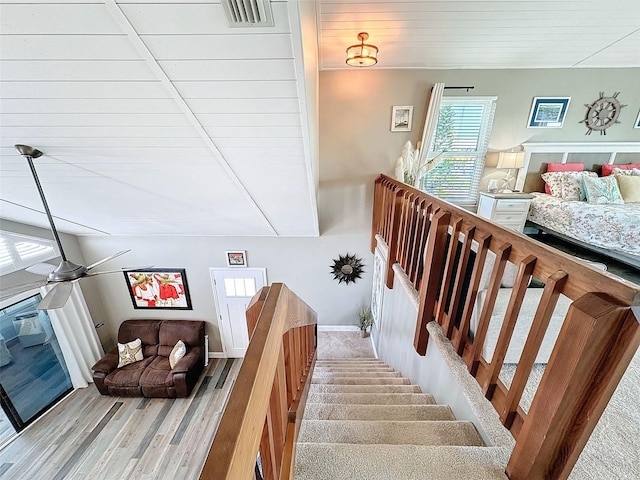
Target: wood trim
(235,446)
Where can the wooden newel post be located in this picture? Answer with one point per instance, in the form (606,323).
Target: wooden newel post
(595,346)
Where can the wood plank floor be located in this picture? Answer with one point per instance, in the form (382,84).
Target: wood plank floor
(90,436)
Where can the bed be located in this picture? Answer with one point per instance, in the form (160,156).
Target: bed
(609,229)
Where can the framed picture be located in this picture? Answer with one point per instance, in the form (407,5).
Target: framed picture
(236,258)
(637,124)
(548,112)
(158,288)
(401,118)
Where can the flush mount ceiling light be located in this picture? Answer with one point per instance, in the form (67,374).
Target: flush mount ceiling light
(362,54)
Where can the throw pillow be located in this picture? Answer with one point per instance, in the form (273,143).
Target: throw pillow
(573,186)
(177,353)
(602,190)
(629,188)
(129,352)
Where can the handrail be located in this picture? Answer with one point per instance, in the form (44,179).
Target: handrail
(444,250)
(262,412)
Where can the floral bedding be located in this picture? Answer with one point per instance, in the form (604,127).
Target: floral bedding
(611,226)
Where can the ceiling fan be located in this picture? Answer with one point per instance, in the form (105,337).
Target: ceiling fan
(63,276)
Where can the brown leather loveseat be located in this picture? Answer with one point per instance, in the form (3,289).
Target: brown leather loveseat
(153,376)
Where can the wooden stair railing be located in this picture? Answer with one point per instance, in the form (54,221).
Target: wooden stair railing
(443,250)
(265,406)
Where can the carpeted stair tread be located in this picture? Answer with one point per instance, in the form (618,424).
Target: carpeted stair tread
(361,381)
(333,388)
(361,373)
(352,369)
(372,398)
(324,411)
(348,360)
(322,461)
(390,432)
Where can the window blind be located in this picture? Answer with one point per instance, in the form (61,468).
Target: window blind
(462,137)
(20,251)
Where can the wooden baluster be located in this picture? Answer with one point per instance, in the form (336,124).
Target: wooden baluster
(293,361)
(525,270)
(393,237)
(532,345)
(472,290)
(429,214)
(405,220)
(436,244)
(410,239)
(376,222)
(286,344)
(441,314)
(487,307)
(594,348)
(420,240)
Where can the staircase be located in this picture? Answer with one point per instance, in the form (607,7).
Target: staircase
(364,421)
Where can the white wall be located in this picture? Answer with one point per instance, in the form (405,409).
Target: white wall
(301,263)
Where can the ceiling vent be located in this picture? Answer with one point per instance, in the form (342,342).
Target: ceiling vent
(248,13)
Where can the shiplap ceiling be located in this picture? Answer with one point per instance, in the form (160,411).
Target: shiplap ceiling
(484,33)
(158,118)
(155,118)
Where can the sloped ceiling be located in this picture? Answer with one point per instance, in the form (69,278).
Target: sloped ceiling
(155,118)
(158,118)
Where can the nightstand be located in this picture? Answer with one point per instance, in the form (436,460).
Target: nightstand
(507,209)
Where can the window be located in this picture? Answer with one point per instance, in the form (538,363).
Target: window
(462,135)
(20,251)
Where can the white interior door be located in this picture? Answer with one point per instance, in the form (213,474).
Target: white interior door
(233,289)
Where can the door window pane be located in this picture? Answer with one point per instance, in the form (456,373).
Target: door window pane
(33,373)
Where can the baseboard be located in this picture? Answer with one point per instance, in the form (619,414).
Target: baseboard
(338,328)
(217,355)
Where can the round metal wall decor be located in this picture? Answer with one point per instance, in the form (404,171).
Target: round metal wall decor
(602,113)
(347,268)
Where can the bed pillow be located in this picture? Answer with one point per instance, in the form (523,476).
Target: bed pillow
(602,190)
(573,185)
(567,185)
(608,169)
(629,188)
(563,167)
(628,172)
(553,183)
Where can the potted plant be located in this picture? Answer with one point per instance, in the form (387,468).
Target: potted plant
(365,320)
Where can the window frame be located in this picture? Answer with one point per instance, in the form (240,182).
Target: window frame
(484,134)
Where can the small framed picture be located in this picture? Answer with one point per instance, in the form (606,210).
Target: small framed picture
(637,124)
(236,258)
(548,112)
(401,118)
(158,288)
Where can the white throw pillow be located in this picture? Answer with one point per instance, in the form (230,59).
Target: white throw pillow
(129,352)
(573,186)
(177,353)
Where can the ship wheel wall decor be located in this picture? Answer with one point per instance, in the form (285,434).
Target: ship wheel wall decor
(347,268)
(602,113)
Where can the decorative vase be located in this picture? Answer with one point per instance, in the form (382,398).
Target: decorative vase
(364,333)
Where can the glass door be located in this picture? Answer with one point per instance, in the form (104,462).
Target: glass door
(33,373)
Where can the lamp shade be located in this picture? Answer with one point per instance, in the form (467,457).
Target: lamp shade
(510,160)
(362,54)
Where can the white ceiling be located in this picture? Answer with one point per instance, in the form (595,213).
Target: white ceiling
(158,118)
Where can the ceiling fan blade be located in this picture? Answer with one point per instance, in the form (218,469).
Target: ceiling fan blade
(57,296)
(43,269)
(123,269)
(100,262)
(11,291)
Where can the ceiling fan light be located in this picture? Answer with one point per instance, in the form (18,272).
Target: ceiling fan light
(362,54)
